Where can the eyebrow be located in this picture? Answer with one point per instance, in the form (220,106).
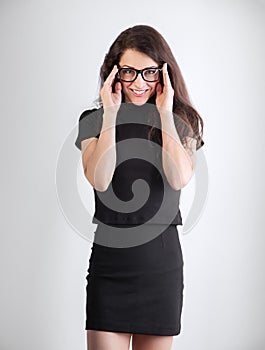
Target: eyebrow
(127,66)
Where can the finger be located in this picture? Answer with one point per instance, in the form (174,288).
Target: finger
(118,87)
(158,88)
(111,76)
(167,82)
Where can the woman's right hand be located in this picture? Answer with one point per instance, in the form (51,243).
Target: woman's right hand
(111,100)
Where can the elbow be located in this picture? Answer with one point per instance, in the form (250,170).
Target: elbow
(99,185)
(181,181)
(187,178)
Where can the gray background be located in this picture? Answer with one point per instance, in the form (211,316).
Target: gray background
(51,52)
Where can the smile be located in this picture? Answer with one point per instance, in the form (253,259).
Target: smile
(139,92)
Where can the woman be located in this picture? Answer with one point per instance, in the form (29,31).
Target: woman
(137,289)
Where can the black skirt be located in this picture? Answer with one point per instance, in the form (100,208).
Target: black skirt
(136,289)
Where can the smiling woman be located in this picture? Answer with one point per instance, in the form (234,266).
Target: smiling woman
(137,289)
(137,88)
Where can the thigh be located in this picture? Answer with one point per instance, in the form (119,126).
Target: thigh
(105,340)
(151,342)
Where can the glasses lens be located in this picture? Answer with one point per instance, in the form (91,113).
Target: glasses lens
(127,74)
(151,74)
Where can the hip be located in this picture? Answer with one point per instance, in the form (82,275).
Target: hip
(157,254)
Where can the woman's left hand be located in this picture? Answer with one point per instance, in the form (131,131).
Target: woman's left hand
(164,95)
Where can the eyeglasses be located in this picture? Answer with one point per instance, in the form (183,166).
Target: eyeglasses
(130,74)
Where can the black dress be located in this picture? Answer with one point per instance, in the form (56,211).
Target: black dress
(135,274)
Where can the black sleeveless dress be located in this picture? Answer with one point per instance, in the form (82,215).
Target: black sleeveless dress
(135,273)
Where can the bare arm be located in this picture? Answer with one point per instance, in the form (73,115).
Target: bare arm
(99,155)
(178,161)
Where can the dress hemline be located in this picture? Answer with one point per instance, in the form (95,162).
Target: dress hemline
(131,328)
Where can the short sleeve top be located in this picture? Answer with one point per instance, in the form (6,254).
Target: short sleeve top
(139,192)
(90,124)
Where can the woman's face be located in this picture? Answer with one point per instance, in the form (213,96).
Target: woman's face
(139,91)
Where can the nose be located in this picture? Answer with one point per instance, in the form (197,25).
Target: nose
(139,81)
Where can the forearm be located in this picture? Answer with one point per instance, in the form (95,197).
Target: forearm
(178,165)
(102,162)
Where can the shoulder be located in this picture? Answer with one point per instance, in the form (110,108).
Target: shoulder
(92,112)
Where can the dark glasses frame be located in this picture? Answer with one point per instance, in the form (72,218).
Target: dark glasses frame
(138,71)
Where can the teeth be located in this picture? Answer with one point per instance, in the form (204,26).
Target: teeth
(139,91)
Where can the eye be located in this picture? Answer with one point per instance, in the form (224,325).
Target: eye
(127,70)
(151,71)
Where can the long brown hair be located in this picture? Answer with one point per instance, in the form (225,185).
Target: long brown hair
(149,41)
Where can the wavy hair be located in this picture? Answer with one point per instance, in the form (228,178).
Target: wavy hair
(149,41)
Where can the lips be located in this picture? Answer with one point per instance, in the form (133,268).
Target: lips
(138,93)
